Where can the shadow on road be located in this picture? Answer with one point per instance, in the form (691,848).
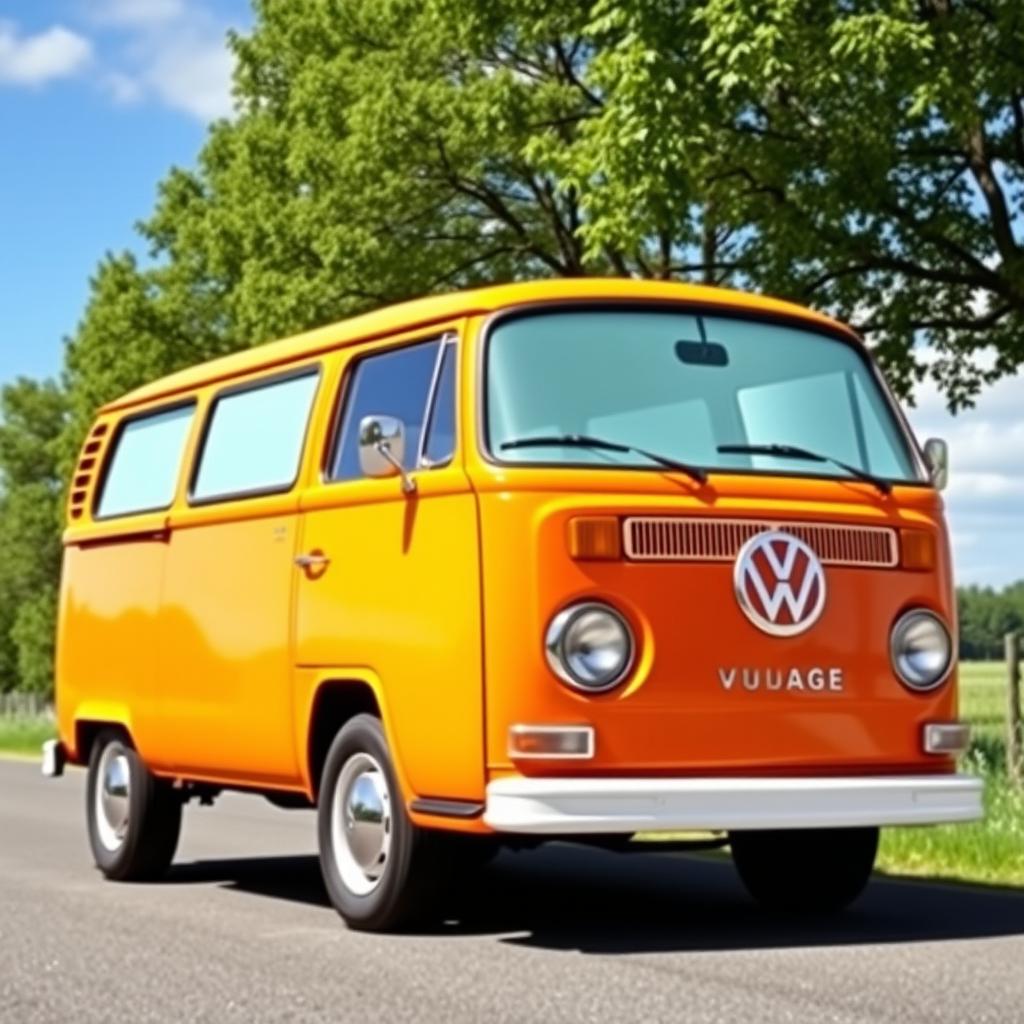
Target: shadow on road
(593,901)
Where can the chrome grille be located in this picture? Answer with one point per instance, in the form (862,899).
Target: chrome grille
(679,539)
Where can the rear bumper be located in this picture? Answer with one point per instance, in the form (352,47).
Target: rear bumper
(569,806)
(54,758)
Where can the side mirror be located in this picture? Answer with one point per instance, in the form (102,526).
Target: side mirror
(936,456)
(382,449)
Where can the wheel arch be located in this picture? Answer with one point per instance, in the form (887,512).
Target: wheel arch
(335,698)
(90,720)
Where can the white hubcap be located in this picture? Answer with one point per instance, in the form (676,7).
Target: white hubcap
(111,801)
(361,824)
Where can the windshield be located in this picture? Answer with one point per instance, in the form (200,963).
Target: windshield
(684,385)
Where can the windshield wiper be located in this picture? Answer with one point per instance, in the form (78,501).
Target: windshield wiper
(585,441)
(788,451)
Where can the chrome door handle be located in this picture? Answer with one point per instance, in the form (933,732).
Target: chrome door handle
(311,561)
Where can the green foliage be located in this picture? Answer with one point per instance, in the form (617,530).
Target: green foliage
(33,634)
(866,158)
(32,418)
(986,616)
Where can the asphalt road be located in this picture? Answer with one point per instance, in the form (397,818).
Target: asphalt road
(241,931)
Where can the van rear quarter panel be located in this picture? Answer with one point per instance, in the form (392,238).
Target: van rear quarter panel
(106,650)
(673,716)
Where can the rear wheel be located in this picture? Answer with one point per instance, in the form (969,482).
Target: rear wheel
(380,870)
(134,819)
(806,871)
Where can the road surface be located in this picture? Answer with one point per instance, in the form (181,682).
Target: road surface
(241,931)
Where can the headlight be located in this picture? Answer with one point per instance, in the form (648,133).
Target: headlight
(922,651)
(589,646)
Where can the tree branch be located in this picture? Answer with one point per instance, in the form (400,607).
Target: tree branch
(992,192)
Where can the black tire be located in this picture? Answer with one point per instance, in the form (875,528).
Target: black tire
(143,849)
(409,876)
(812,871)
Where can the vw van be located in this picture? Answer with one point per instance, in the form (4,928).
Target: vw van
(573,559)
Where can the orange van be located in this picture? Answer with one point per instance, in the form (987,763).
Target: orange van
(564,559)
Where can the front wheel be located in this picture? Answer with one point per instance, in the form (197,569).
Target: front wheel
(805,870)
(134,818)
(380,870)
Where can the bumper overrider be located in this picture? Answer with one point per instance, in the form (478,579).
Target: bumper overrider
(624,805)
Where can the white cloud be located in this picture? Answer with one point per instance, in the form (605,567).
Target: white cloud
(122,88)
(56,52)
(171,51)
(191,71)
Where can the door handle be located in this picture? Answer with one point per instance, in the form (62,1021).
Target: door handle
(314,560)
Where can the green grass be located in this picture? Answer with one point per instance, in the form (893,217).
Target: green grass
(991,850)
(983,699)
(24,735)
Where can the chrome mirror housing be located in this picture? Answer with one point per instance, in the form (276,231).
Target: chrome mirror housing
(936,456)
(382,449)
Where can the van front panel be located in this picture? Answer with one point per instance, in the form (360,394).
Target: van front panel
(709,691)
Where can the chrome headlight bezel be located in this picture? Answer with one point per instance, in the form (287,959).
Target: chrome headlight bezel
(560,632)
(899,650)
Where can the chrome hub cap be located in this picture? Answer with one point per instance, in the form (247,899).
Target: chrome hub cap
(111,801)
(361,824)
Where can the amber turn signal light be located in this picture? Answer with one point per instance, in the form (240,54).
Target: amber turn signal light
(595,538)
(551,742)
(917,549)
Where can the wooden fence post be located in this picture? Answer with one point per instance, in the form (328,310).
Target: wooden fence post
(1013,711)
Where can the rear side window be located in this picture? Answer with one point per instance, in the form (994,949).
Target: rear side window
(401,382)
(254,439)
(143,470)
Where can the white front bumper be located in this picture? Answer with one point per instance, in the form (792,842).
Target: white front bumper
(607,805)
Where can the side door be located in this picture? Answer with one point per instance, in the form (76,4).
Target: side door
(400,594)
(224,671)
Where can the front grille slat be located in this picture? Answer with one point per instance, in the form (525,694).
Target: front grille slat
(686,539)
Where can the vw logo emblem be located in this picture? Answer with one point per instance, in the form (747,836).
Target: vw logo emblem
(780,584)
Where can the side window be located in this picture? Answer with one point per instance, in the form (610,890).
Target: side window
(440,443)
(393,383)
(254,439)
(143,469)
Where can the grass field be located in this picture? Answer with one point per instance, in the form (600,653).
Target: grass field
(19,735)
(990,851)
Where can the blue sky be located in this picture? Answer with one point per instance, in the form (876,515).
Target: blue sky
(98,98)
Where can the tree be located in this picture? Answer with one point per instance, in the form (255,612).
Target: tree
(33,419)
(986,616)
(863,157)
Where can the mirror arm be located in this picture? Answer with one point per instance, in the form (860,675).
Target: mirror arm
(408,484)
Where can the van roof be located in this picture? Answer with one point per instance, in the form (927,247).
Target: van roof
(439,308)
